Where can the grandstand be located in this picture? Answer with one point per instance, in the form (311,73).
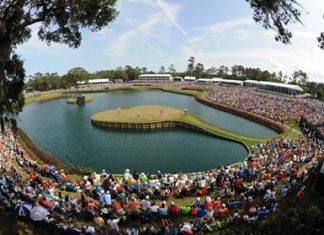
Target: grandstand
(227,81)
(287,89)
(155,77)
(189,79)
(220,81)
(203,80)
(94,82)
(178,79)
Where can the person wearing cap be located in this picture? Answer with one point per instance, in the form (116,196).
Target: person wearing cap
(217,203)
(300,193)
(101,197)
(143,178)
(88,186)
(186,229)
(107,198)
(223,211)
(208,203)
(173,209)
(63,175)
(103,173)
(127,175)
(262,213)
(248,204)
(268,195)
(163,210)
(146,203)
(197,203)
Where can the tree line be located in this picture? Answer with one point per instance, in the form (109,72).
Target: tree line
(50,81)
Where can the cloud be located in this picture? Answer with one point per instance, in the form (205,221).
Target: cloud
(222,27)
(134,36)
(274,64)
(154,49)
(171,11)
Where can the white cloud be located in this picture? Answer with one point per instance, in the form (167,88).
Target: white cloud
(132,37)
(171,11)
(274,64)
(222,27)
(160,53)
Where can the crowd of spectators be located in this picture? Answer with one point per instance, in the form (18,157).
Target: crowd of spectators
(101,203)
(278,108)
(105,204)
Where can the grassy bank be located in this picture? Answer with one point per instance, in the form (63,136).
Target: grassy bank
(44,96)
(198,121)
(143,87)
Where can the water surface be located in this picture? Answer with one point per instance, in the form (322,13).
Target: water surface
(66,130)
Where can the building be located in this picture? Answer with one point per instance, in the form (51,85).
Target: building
(227,82)
(178,79)
(28,90)
(94,82)
(155,77)
(118,81)
(278,87)
(203,80)
(189,79)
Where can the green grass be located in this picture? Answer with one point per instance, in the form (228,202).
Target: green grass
(73,100)
(222,132)
(43,97)
(146,114)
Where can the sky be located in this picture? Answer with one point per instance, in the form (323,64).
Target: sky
(155,33)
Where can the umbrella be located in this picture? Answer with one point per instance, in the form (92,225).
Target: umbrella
(51,167)
(23,209)
(38,213)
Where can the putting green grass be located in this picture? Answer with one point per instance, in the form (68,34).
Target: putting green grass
(158,113)
(139,114)
(73,100)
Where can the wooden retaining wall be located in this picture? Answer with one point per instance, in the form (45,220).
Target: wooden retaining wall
(157,125)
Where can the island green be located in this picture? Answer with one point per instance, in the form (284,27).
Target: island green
(146,115)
